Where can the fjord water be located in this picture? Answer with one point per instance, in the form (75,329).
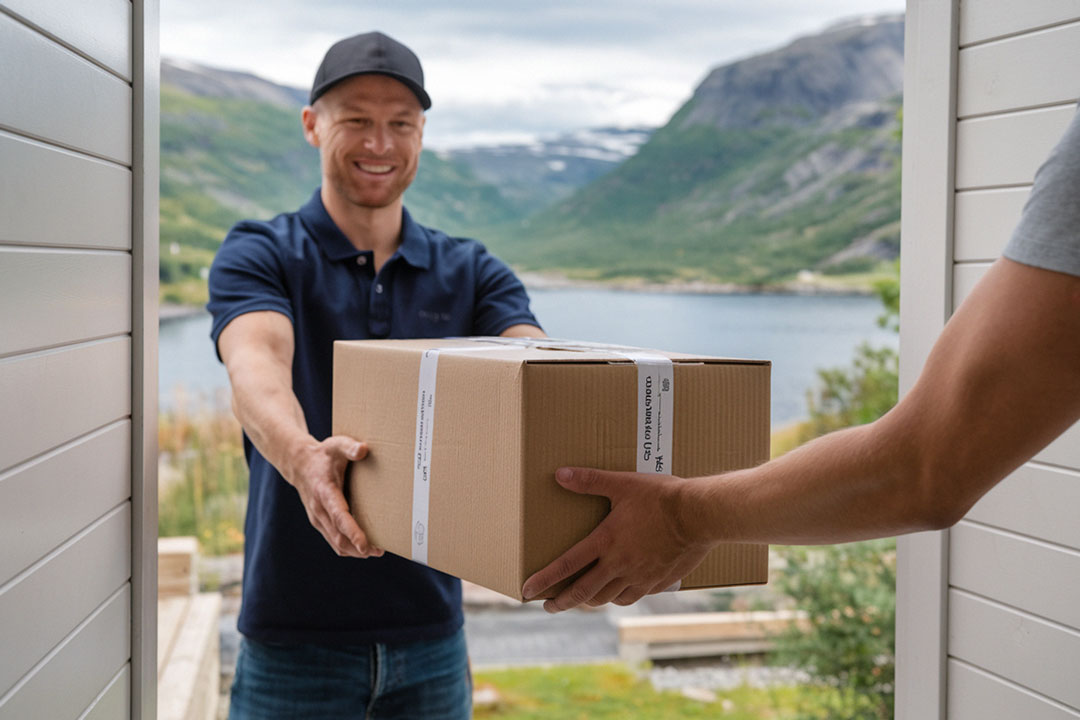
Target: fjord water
(799,334)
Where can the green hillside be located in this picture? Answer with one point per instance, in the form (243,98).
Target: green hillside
(726,205)
(226,159)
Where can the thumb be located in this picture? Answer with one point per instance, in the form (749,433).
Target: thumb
(347,447)
(590,481)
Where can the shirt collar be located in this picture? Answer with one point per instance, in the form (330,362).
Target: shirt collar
(415,247)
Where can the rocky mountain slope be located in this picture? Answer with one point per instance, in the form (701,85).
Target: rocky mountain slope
(782,162)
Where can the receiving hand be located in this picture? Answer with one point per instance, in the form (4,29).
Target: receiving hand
(317,471)
(640,548)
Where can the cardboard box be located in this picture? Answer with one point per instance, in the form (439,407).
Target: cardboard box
(504,419)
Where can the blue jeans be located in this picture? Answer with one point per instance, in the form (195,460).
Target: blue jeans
(421,681)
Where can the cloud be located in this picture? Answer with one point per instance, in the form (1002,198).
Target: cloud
(504,68)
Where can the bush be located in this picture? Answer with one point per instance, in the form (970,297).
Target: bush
(849,594)
(847,591)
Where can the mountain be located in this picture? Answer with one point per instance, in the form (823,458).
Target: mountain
(535,175)
(781,162)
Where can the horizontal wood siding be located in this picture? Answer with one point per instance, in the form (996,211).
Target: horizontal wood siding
(50,196)
(72,676)
(1027,574)
(983,20)
(53,297)
(48,398)
(1014,561)
(1064,452)
(70,73)
(1020,72)
(51,93)
(985,220)
(975,694)
(49,500)
(98,29)
(1037,654)
(48,601)
(1007,149)
(114,701)
(1036,500)
(965,277)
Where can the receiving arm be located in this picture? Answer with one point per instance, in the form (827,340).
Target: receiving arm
(1001,382)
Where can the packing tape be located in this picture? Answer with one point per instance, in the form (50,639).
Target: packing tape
(425,431)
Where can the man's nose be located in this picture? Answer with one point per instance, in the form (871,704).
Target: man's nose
(378,140)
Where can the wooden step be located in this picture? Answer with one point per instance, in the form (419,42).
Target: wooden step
(689,635)
(189,660)
(178,559)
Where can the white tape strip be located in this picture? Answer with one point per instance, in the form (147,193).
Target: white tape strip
(655,411)
(425,432)
(425,421)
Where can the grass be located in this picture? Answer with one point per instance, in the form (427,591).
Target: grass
(204,479)
(596,692)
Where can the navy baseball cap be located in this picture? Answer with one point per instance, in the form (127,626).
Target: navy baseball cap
(366,54)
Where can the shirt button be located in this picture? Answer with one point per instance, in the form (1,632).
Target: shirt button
(361,259)
(378,288)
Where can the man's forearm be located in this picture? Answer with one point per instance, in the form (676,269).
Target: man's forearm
(850,485)
(1002,381)
(270,414)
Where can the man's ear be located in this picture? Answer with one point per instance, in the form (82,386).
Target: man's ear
(308,117)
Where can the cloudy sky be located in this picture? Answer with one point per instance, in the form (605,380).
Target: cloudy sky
(509,71)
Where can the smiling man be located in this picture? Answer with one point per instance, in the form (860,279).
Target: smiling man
(333,628)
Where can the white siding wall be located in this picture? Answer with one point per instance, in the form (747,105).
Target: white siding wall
(1008,577)
(77,240)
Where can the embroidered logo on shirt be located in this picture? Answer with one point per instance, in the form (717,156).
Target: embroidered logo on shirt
(434,316)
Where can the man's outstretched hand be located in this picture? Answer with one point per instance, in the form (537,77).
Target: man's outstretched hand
(641,547)
(317,471)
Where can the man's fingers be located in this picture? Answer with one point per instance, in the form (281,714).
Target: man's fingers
(668,583)
(583,590)
(591,481)
(562,567)
(346,447)
(343,521)
(630,595)
(610,591)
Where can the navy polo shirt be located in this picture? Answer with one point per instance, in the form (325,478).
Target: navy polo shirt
(296,589)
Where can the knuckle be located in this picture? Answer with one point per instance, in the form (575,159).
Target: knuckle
(578,594)
(602,538)
(563,568)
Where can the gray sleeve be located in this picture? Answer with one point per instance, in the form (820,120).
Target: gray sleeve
(1048,235)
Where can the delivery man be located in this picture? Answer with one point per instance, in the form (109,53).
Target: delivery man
(331,626)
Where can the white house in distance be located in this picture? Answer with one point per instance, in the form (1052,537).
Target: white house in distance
(988,612)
